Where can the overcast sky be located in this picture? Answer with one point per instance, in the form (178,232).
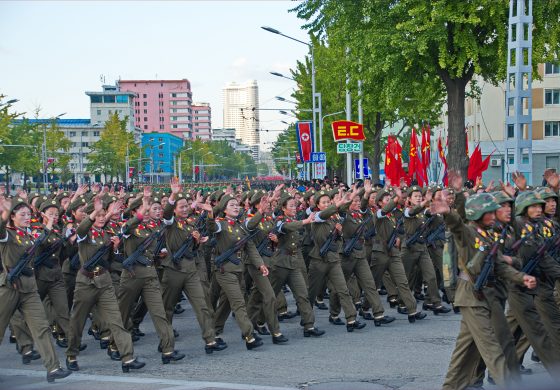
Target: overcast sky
(51,52)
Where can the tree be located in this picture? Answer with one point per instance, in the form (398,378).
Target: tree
(58,146)
(283,151)
(447,40)
(108,155)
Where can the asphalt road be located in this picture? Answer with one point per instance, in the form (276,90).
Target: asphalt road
(396,356)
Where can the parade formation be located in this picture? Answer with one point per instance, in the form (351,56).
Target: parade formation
(113,257)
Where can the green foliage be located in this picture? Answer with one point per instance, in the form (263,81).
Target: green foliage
(108,155)
(431,48)
(284,147)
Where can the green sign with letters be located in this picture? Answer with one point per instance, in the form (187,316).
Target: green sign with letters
(354,147)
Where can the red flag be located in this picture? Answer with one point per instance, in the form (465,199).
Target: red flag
(304,134)
(484,164)
(415,167)
(475,163)
(393,160)
(443,161)
(426,151)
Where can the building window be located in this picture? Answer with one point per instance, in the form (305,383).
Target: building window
(160,147)
(84,133)
(96,99)
(552,96)
(550,68)
(160,155)
(110,112)
(145,104)
(173,102)
(86,144)
(122,99)
(72,134)
(161,127)
(145,96)
(109,99)
(161,119)
(173,118)
(551,129)
(145,119)
(160,139)
(145,127)
(145,111)
(96,133)
(98,112)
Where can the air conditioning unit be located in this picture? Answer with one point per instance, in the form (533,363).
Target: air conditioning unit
(495,162)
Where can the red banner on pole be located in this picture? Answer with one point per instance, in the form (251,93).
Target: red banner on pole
(304,134)
(348,130)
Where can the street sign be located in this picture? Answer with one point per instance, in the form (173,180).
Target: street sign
(348,130)
(318,157)
(354,147)
(364,167)
(320,170)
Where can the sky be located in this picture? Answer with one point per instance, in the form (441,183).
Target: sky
(51,52)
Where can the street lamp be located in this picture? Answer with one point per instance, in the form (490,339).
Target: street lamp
(314,94)
(281,75)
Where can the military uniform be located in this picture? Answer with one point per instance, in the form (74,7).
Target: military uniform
(477,337)
(13,244)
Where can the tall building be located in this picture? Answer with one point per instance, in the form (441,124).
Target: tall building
(162,106)
(241,112)
(160,150)
(202,121)
(485,124)
(224,135)
(109,101)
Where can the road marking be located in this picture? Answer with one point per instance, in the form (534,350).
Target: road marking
(172,383)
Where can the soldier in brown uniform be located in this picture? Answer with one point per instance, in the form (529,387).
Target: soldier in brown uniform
(21,293)
(94,287)
(181,273)
(327,266)
(385,258)
(476,337)
(355,261)
(228,275)
(415,254)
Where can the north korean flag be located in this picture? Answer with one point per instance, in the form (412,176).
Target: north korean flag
(304,134)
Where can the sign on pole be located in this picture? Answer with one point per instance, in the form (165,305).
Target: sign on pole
(364,167)
(352,147)
(348,130)
(304,135)
(318,157)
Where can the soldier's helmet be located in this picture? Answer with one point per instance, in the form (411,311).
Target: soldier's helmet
(501,197)
(526,199)
(546,193)
(479,204)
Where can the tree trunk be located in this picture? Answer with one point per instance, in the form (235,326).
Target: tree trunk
(456,150)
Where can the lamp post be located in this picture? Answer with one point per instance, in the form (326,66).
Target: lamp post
(314,94)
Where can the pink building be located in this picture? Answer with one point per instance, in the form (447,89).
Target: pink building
(163,106)
(202,121)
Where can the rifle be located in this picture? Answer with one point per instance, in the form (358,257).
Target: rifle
(328,242)
(263,245)
(538,255)
(511,251)
(395,234)
(438,234)
(199,225)
(228,255)
(23,262)
(349,247)
(420,232)
(487,267)
(98,256)
(43,257)
(75,262)
(135,257)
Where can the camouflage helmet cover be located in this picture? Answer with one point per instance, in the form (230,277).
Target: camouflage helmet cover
(526,199)
(479,204)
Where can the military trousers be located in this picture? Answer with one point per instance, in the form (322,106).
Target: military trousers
(321,271)
(381,263)
(436,255)
(86,296)
(360,269)
(522,306)
(140,309)
(21,332)
(70,285)
(476,339)
(422,260)
(231,286)
(262,298)
(173,283)
(295,280)
(549,311)
(148,288)
(30,306)
(56,292)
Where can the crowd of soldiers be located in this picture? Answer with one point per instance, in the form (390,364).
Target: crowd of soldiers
(113,257)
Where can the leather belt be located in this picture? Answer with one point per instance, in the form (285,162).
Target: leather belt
(97,271)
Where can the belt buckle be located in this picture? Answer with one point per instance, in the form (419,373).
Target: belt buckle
(238,254)
(97,271)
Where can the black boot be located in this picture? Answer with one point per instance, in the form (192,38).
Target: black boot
(178,309)
(72,365)
(28,357)
(209,348)
(321,306)
(534,357)
(366,315)
(253,344)
(313,332)
(441,310)
(525,371)
(418,316)
(113,354)
(262,330)
(133,365)
(104,344)
(355,325)
(280,339)
(383,320)
(335,320)
(59,373)
(62,343)
(172,357)
(138,332)
(402,310)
